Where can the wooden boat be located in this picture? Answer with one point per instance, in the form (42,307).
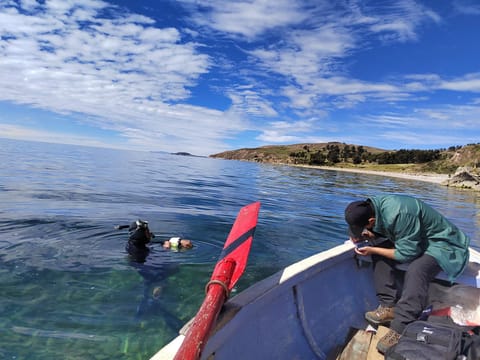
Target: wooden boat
(306,310)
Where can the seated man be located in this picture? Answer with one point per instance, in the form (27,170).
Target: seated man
(417,234)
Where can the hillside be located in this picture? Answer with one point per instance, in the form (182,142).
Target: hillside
(287,154)
(452,161)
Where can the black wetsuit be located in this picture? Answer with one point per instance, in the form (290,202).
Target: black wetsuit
(137,243)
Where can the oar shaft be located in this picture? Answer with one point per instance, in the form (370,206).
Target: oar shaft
(205,320)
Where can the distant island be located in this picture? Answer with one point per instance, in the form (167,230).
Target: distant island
(183,153)
(457,166)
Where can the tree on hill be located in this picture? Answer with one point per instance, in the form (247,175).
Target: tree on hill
(407,156)
(318,158)
(333,154)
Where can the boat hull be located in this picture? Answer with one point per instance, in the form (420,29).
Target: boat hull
(301,312)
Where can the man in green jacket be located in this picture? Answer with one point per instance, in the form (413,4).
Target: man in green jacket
(398,229)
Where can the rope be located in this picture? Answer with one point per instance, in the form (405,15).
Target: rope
(218,282)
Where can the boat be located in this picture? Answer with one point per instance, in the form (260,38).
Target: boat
(304,311)
(301,312)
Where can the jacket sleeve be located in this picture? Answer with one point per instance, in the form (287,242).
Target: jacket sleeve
(407,232)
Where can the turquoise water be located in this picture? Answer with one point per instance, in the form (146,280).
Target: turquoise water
(68,290)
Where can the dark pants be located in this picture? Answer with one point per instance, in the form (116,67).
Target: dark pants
(412,295)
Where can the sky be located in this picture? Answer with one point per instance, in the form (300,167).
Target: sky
(205,76)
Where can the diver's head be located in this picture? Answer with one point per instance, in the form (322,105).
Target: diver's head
(139,232)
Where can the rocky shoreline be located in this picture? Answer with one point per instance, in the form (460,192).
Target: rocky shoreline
(466,159)
(464,177)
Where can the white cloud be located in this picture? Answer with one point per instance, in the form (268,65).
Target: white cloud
(272,61)
(467,7)
(25,133)
(469,82)
(120,73)
(248,19)
(399,29)
(276,137)
(251,103)
(310,58)
(439,125)
(399,21)
(464,83)
(29,5)
(445,118)
(410,140)
(288,131)
(307,55)
(453,117)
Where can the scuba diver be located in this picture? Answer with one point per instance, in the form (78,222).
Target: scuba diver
(138,250)
(140,236)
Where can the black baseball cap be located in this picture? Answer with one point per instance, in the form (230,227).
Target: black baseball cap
(357,214)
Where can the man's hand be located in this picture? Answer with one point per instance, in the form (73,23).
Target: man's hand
(364,251)
(372,250)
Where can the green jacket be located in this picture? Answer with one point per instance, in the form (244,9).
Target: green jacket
(416,228)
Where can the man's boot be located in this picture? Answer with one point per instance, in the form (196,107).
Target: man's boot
(382,315)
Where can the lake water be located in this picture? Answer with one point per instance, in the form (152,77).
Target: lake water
(68,290)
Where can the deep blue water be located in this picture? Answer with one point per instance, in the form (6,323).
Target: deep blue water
(68,290)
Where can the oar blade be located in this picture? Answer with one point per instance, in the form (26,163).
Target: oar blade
(239,241)
(228,270)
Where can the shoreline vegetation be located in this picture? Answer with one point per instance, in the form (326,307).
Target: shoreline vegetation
(457,166)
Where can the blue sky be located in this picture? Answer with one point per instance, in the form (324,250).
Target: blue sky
(204,76)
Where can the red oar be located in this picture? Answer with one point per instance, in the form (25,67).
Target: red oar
(228,270)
